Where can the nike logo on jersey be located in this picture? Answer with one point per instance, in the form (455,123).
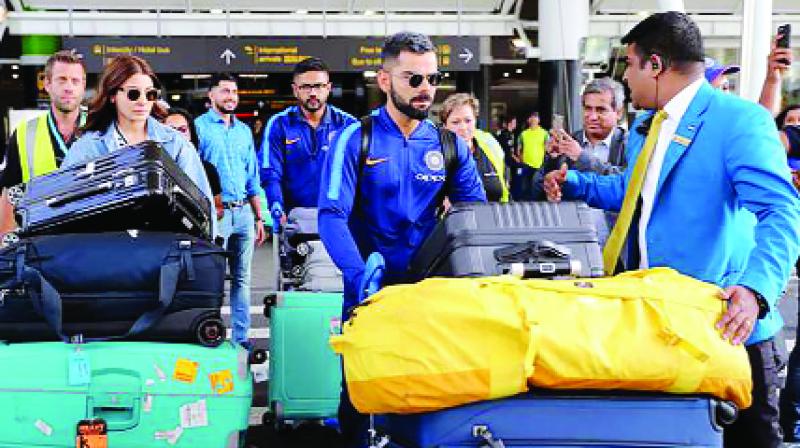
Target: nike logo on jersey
(373,162)
(292,141)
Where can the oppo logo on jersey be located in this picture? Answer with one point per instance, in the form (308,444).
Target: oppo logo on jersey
(425,177)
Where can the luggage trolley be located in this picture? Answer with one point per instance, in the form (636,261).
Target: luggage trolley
(304,310)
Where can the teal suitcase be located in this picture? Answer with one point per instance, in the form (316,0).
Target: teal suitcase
(305,374)
(149,394)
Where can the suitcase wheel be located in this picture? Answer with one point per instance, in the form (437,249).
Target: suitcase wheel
(9,239)
(274,416)
(258,356)
(211,332)
(725,413)
(15,194)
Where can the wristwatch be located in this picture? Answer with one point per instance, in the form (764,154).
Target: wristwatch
(763,305)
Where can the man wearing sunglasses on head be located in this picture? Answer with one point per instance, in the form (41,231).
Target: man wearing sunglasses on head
(296,141)
(228,144)
(38,146)
(386,202)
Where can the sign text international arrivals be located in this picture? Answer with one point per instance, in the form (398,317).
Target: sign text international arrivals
(260,55)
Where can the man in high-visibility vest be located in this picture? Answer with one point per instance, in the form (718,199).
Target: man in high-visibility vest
(37,146)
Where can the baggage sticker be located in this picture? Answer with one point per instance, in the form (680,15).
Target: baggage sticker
(194,415)
(148,403)
(185,370)
(43,427)
(336,325)
(221,381)
(170,436)
(92,434)
(80,372)
(149,382)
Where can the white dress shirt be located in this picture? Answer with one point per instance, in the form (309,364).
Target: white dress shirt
(601,150)
(675,109)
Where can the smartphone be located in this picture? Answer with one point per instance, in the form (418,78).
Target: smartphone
(785,31)
(558,122)
(784,42)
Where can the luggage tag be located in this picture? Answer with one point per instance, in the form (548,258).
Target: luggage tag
(221,382)
(80,371)
(92,434)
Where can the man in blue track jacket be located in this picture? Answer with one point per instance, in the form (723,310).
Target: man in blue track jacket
(298,139)
(387,202)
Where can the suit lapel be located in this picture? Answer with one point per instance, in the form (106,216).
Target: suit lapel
(690,124)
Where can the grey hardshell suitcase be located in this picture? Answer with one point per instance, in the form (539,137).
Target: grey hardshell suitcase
(531,239)
(319,272)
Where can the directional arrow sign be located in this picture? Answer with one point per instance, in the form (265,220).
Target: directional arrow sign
(228,54)
(466,55)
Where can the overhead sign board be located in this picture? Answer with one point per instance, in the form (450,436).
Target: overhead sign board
(260,55)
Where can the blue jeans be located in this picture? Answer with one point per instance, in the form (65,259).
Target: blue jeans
(238,230)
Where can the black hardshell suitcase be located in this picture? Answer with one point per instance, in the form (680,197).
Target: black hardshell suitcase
(531,239)
(136,187)
(131,285)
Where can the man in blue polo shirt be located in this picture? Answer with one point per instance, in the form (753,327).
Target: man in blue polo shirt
(398,187)
(227,143)
(296,141)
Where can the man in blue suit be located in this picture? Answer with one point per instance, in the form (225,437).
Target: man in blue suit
(715,199)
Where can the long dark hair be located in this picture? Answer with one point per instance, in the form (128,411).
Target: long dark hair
(192,130)
(781,118)
(102,112)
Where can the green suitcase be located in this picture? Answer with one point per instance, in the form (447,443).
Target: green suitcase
(305,374)
(148,394)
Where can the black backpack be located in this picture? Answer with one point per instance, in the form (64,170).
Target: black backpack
(447,140)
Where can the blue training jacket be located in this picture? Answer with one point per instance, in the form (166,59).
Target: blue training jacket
(398,193)
(292,154)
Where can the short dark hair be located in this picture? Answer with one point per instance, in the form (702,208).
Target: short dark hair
(65,57)
(781,118)
(220,77)
(671,35)
(310,65)
(533,114)
(408,41)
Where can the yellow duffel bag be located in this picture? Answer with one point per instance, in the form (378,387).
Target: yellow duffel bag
(444,342)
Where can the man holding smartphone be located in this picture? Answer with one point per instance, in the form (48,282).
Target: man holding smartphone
(778,63)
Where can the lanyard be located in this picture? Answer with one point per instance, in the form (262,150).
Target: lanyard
(54,130)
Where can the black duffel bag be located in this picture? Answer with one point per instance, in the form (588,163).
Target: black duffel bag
(116,285)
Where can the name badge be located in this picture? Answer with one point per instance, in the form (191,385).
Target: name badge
(681,140)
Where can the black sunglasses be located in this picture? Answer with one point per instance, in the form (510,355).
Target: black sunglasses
(133,93)
(415,80)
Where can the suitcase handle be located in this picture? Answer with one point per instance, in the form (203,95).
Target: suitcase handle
(47,300)
(61,200)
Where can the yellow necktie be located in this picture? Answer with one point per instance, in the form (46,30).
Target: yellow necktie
(620,232)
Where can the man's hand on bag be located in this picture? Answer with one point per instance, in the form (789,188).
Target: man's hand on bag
(553,181)
(739,320)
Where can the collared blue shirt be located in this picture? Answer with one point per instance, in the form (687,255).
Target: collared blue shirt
(293,153)
(391,207)
(94,144)
(232,152)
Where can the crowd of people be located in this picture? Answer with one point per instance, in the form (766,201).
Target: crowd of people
(698,182)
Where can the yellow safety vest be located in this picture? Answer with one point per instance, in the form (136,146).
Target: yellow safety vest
(494,152)
(36,153)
